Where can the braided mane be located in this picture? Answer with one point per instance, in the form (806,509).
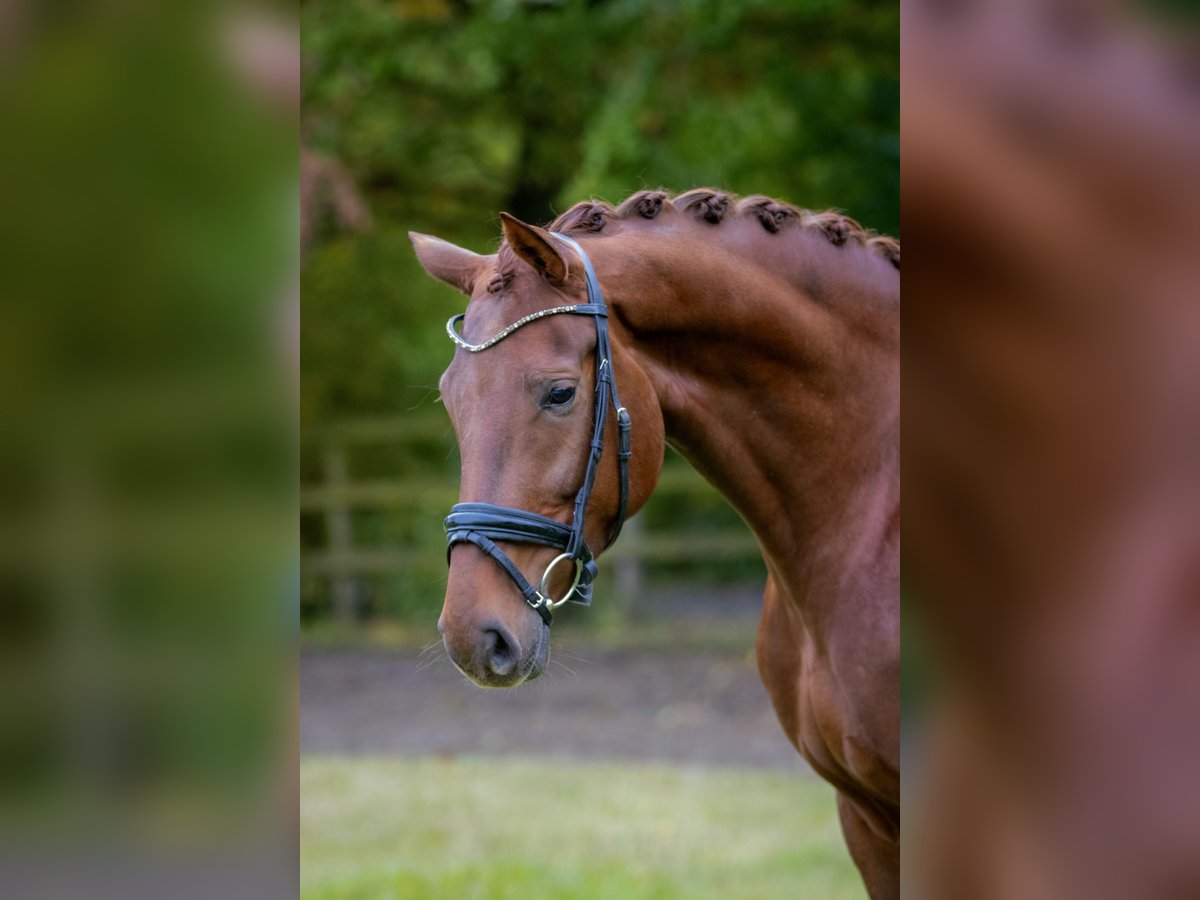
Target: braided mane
(713,206)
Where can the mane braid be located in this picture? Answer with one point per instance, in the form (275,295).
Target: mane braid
(712,207)
(587,217)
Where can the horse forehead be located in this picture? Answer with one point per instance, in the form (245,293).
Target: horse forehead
(523,292)
(474,382)
(554,344)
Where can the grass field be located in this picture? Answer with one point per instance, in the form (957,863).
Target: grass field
(509,829)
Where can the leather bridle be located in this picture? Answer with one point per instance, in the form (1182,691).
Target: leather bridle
(482,524)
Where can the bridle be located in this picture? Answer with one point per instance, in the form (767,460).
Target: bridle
(482,524)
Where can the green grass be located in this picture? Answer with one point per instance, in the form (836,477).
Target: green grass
(516,829)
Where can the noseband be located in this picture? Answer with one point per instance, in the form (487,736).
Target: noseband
(482,524)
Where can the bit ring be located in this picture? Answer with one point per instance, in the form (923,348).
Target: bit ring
(544,591)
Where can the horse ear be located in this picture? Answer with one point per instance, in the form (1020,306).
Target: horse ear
(447,262)
(535,246)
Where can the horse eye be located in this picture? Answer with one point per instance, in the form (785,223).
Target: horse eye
(560,396)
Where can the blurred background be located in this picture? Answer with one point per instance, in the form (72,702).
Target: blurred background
(647,759)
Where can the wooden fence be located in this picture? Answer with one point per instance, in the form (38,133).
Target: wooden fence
(334,493)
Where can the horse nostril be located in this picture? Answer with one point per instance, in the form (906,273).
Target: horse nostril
(499,651)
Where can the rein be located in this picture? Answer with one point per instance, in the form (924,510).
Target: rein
(482,524)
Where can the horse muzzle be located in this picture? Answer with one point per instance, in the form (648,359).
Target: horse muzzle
(492,654)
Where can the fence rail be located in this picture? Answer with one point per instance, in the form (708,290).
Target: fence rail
(336,495)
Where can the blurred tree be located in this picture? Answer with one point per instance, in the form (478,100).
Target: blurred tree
(328,198)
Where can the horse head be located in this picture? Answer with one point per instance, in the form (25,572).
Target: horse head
(533,512)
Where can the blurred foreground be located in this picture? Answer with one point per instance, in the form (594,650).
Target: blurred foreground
(147,381)
(1051,199)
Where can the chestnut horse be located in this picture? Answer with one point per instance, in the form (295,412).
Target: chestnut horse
(763,342)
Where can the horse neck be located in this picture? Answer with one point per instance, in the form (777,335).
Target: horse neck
(783,397)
